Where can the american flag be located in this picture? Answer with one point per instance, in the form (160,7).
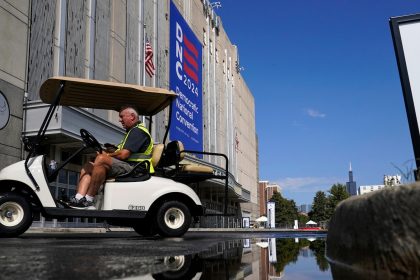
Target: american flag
(236,142)
(150,68)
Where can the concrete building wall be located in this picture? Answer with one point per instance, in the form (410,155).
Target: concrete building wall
(228,104)
(102,29)
(75,47)
(266,190)
(43,45)
(14,19)
(104,40)
(246,146)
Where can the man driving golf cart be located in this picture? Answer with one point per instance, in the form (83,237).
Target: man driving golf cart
(135,147)
(163,204)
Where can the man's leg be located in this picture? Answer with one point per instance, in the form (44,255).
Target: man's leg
(91,178)
(98,176)
(85,179)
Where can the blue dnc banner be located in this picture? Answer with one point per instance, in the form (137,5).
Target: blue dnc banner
(186,81)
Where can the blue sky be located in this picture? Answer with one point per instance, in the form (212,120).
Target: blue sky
(327,91)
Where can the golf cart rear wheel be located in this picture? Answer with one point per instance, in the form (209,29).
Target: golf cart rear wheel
(173,219)
(15,215)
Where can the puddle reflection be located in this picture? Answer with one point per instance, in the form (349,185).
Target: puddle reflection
(256,258)
(136,258)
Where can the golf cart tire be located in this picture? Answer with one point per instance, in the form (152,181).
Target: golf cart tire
(179,267)
(173,219)
(15,215)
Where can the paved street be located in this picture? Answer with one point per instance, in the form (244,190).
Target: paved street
(91,255)
(117,255)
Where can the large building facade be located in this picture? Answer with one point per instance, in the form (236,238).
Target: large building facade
(351,184)
(389,181)
(266,191)
(106,40)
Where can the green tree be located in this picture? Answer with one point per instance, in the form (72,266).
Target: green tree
(302,219)
(319,210)
(323,207)
(318,247)
(287,251)
(286,210)
(338,193)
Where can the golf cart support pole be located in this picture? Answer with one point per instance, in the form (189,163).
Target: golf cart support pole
(169,122)
(54,174)
(41,132)
(225,177)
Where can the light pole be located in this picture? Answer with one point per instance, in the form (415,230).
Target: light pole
(267,210)
(270,206)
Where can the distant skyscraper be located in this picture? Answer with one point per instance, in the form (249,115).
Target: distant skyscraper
(305,208)
(351,185)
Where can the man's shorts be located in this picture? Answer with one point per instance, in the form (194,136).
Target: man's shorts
(119,167)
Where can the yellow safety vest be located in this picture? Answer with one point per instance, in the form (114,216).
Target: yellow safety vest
(139,157)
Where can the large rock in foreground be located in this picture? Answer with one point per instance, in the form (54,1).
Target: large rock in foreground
(377,235)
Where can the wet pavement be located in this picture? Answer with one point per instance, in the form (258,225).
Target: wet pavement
(126,255)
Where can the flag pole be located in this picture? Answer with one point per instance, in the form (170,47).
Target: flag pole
(139,43)
(144,42)
(144,55)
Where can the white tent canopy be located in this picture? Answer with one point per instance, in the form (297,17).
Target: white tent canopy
(262,219)
(262,244)
(311,223)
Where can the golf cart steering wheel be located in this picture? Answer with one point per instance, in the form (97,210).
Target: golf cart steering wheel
(90,141)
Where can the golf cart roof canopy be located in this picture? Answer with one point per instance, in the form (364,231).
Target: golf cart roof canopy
(105,95)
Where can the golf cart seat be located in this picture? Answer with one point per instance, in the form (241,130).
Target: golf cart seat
(140,172)
(157,154)
(186,173)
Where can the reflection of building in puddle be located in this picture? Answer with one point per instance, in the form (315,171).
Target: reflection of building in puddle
(263,259)
(224,261)
(306,252)
(234,259)
(268,259)
(305,249)
(220,261)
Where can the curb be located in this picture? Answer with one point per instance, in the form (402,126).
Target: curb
(226,230)
(257,230)
(66,230)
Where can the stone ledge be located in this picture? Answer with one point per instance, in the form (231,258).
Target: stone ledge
(377,234)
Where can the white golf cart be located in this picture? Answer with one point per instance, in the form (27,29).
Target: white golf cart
(160,203)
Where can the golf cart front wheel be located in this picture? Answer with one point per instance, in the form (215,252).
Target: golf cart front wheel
(15,215)
(173,219)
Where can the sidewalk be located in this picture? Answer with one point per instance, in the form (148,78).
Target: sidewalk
(235,230)
(65,230)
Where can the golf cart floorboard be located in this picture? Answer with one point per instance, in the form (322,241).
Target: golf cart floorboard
(82,213)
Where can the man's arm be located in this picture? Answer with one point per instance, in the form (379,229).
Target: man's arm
(120,154)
